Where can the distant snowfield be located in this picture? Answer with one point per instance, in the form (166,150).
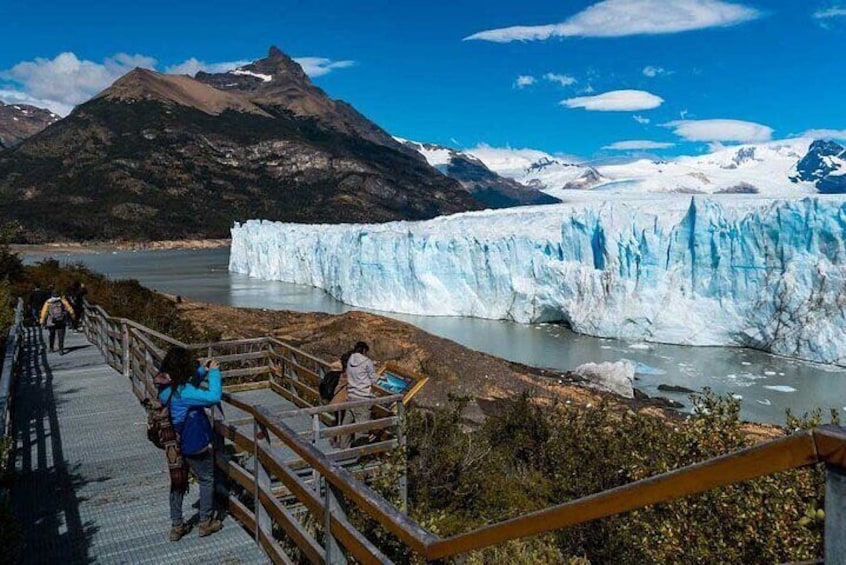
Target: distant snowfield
(747,270)
(764,167)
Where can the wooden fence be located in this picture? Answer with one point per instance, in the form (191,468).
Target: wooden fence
(331,490)
(9,365)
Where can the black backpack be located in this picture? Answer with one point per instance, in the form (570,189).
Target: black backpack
(329,384)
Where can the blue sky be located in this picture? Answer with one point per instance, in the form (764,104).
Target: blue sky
(691,72)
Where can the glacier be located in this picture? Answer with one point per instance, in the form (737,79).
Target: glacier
(733,271)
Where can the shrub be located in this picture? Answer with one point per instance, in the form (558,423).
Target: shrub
(533,456)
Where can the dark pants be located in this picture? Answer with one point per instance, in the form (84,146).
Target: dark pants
(203,467)
(57,330)
(80,314)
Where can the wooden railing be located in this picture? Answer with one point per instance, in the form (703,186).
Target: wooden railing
(331,489)
(8,371)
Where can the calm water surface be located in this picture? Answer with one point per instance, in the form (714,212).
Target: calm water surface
(767,385)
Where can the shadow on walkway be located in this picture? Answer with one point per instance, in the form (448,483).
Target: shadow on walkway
(44,492)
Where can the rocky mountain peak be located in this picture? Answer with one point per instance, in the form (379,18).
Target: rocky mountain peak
(825,148)
(19,121)
(277,83)
(279,64)
(824,165)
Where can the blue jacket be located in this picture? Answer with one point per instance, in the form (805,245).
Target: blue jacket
(188,395)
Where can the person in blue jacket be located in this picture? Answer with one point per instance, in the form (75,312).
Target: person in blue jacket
(191,389)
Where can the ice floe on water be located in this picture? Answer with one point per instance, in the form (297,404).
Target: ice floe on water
(780,388)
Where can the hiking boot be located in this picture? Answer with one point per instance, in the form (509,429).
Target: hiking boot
(209,527)
(178,532)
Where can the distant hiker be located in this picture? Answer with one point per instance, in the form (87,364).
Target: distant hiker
(179,384)
(55,315)
(361,376)
(76,295)
(37,298)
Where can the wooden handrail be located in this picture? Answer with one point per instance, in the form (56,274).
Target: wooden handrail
(398,523)
(8,369)
(798,450)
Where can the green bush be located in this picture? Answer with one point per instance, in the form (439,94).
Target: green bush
(532,457)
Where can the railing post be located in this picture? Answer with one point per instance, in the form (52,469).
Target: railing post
(256,500)
(401,440)
(835,515)
(334,554)
(126,356)
(315,437)
(261,480)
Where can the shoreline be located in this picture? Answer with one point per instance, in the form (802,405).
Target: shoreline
(99,246)
(454,369)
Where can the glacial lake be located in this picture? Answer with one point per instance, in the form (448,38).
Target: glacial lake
(768,385)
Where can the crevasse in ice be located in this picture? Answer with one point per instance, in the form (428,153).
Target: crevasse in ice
(760,273)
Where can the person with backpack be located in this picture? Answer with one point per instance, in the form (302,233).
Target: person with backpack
(54,316)
(186,389)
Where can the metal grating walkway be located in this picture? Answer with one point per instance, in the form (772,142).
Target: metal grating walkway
(89,487)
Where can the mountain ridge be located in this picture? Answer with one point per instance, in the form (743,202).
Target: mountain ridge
(166,156)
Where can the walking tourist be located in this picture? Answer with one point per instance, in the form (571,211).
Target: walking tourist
(55,314)
(37,298)
(77,299)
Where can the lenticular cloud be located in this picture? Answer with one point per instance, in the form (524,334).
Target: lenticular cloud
(618,18)
(616,101)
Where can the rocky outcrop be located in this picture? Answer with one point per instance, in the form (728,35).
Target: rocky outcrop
(486,186)
(20,121)
(825,166)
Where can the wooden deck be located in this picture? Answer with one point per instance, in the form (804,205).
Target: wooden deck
(90,488)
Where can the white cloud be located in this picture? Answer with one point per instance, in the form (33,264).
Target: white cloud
(192,66)
(642,120)
(65,81)
(616,101)
(524,80)
(826,134)
(319,66)
(563,80)
(508,161)
(618,18)
(652,72)
(828,13)
(637,144)
(721,130)
(312,66)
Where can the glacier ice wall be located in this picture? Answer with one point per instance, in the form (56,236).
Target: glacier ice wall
(765,274)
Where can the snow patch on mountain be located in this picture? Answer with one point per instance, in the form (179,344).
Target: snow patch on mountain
(245,72)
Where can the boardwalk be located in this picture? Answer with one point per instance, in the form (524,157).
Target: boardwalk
(90,488)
